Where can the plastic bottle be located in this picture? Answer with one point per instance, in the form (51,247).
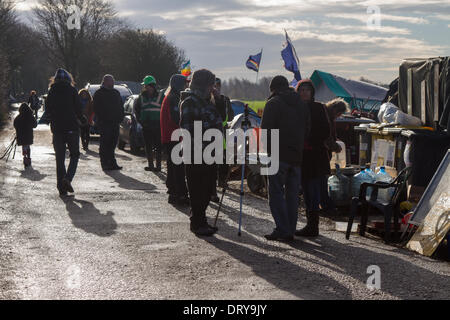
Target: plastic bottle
(372,175)
(338,186)
(384,195)
(359,179)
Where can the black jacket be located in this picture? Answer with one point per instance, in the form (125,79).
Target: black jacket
(64,108)
(286,112)
(316,160)
(24,124)
(108,107)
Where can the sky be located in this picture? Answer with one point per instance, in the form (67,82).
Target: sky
(337,36)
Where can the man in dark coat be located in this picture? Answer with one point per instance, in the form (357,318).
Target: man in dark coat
(170,119)
(316,160)
(108,107)
(24,124)
(285,112)
(197,106)
(64,112)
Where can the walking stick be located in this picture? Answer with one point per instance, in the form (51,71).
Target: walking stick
(224,190)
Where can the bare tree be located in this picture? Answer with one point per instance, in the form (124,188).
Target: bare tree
(74,46)
(132,54)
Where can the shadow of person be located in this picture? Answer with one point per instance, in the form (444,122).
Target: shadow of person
(32,175)
(87,217)
(129,183)
(274,268)
(401,277)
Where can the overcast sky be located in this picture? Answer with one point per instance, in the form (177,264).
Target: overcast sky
(329,35)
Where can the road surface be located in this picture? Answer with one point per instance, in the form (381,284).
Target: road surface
(118,238)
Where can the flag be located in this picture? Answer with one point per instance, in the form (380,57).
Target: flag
(186,69)
(290,58)
(253,62)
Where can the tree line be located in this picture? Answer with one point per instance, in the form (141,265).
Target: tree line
(88,42)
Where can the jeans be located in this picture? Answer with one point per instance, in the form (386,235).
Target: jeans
(284,190)
(109,136)
(176,177)
(152,138)
(199,180)
(62,141)
(312,190)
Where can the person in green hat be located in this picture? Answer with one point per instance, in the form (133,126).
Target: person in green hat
(147,109)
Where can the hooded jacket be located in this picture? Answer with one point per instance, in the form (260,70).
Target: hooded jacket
(170,111)
(24,124)
(287,113)
(316,160)
(63,107)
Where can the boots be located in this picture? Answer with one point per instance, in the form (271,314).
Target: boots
(312,225)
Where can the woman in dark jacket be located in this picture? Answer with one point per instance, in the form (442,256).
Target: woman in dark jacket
(316,160)
(24,124)
(64,110)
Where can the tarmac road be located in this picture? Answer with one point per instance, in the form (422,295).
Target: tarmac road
(118,238)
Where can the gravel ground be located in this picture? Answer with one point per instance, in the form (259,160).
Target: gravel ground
(118,238)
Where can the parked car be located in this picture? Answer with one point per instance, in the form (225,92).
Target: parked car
(130,130)
(125,92)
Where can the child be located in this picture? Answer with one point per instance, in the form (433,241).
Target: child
(24,124)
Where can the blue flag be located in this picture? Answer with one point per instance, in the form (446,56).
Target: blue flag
(253,62)
(290,58)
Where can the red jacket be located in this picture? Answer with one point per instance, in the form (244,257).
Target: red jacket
(168,126)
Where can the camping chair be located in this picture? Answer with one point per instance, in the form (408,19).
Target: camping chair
(365,204)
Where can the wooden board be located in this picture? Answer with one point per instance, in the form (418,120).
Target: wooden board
(434,228)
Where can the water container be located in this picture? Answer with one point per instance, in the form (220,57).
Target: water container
(359,179)
(338,186)
(339,158)
(384,195)
(372,175)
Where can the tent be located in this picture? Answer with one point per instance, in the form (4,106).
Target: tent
(360,95)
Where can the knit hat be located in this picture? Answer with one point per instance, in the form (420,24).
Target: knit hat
(202,79)
(177,82)
(279,83)
(63,75)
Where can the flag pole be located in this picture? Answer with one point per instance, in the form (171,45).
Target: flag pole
(257,73)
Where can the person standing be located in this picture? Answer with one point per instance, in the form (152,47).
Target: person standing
(316,160)
(64,112)
(170,119)
(147,109)
(24,124)
(108,107)
(34,103)
(335,108)
(225,110)
(285,112)
(197,106)
(88,110)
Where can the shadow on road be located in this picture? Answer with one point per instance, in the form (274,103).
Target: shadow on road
(118,155)
(129,183)
(87,217)
(32,175)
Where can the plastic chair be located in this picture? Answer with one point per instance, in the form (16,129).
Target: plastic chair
(364,204)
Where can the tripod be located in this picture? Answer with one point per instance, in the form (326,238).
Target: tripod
(245,124)
(11,148)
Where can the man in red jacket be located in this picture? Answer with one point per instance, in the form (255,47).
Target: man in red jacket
(170,119)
